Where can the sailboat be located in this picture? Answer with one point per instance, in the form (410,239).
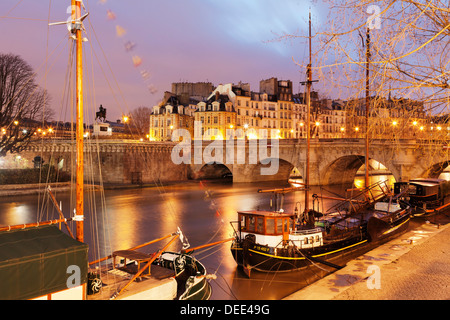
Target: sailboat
(39,261)
(276,241)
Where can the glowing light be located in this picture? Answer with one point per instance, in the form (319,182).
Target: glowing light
(394,123)
(137,61)
(342,129)
(171,127)
(356,128)
(111,15)
(120,31)
(421,128)
(231,126)
(415,123)
(245,126)
(317,123)
(301,124)
(16,122)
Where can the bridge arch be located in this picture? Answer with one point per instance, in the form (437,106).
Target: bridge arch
(212,170)
(284,168)
(344,170)
(437,169)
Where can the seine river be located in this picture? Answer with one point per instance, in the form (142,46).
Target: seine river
(123,218)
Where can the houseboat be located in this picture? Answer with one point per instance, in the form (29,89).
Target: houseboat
(427,196)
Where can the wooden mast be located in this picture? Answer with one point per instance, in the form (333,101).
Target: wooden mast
(76,31)
(366,184)
(308,125)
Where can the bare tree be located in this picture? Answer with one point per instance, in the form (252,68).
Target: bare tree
(409,48)
(22,104)
(140,121)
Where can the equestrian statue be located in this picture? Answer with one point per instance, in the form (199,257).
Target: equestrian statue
(101,114)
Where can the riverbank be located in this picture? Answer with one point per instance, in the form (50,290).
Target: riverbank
(37,188)
(413,266)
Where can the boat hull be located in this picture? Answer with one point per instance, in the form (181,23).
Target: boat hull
(254,256)
(190,274)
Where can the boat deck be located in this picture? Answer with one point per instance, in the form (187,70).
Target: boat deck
(115,279)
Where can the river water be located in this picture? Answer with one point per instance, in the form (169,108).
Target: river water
(123,218)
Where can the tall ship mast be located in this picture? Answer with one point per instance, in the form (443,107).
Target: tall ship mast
(76,31)
(308,115)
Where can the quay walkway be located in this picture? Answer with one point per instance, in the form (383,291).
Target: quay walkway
(414,266)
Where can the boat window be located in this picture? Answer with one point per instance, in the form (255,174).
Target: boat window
(251,224)
(279,226)
(286,225)
(305,240)
(260,225)
(317,238)
(242,222)
(412,189)
(270,226)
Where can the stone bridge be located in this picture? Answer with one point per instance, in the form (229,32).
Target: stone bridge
(332,161)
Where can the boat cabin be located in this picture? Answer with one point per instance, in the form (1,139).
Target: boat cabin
(423,192)
(265,223)
(275,229)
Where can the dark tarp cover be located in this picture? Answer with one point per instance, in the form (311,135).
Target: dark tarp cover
(35,261)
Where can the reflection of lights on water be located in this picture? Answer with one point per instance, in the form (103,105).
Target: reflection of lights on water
(360,182)
(14,213)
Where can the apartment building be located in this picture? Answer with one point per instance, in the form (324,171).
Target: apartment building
(275,112)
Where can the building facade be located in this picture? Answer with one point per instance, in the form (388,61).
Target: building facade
(275,112)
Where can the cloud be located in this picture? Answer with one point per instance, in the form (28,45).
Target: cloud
(259,21)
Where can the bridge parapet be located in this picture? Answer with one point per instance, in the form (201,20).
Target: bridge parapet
(333,161)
